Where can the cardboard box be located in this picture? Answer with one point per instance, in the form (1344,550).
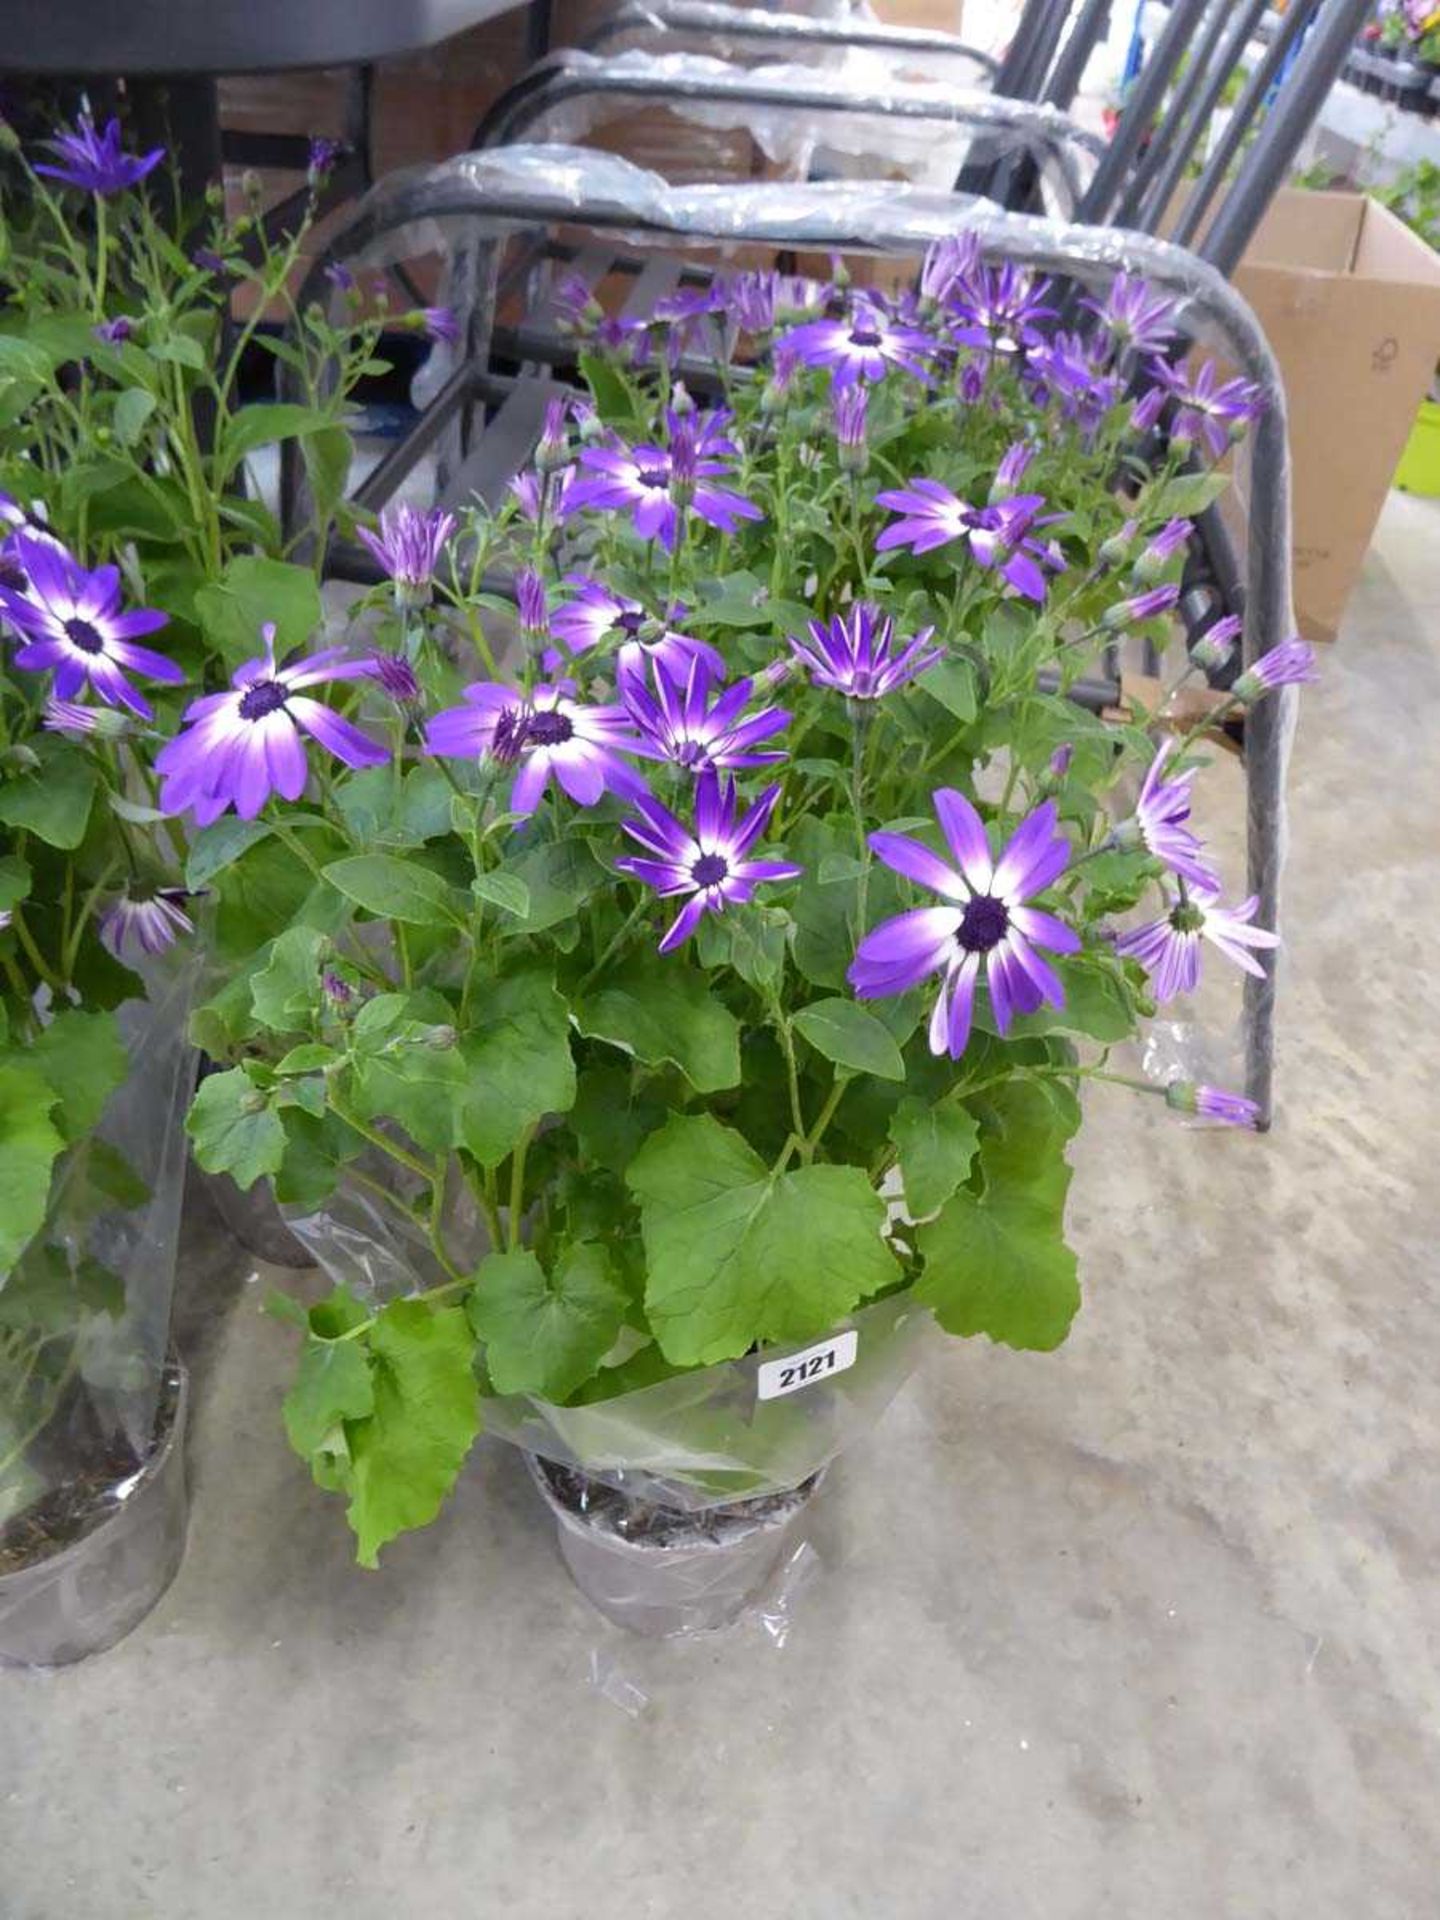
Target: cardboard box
(1349,299)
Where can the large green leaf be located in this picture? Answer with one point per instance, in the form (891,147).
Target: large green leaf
(404,1458)
(936,1146)
(316,1150)
(997,1262)
(332,1384)
(53,802)
(235,1129)
(737,1254)
(852,1038)
(546,1333)
(285,993)
(395,889)
(518,1064)
(558,878)
(263,424)
(216,846)
(662,1010)
(28,1146)
(408,1067)
(84,1059)
(255,590)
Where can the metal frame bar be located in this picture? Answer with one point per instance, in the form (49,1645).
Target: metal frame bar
(1086,34)
(1140,111)
(509,192)
(786,30)
(1044,129)
(1174,125)
(1225,61)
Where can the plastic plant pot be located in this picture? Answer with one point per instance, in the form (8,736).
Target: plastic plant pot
(663,1571)
(1419,468)
(91,1593)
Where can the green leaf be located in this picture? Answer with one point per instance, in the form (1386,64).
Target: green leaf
(518,1063)
(610,1117)
(952,684)
(331,1385)
(327,453)
(215,846)
(132,409)
(662,1010)
(180,349)
(560,876)
(234,1128)
(22,359)
(285,993)
(413,1072)
(254,590)
(996,1262)
(546,1333)
(53,802)
(28,1146)
(751,940)
(395,889)
(262,425)
(15,880)
(613,399)
(936,1145)
(405,1457)
(504,890)
(736,1254)
(1183,497)
(1097,1003)
(316,1152)
(84,1060)
(852,1038)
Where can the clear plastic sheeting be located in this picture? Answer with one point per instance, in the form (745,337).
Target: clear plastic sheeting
(856,114)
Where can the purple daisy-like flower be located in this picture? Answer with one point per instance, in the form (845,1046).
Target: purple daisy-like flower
(545,732)
(864,345)
(850,407)
(1139,607)
(999,310)
(949,263)
(1208,408)
(153,921)
(535,491)
(79,722)
(320,163)
(438,324)
(753,299)
(408,545)
(114,333)
(94,161)
(855,653)
(1212,1103)
(1162,549)
(339,276)
(1063,371)
(986,928)
(659,485)
(597,616)
(1292,664)
(1010,472)
(242,745)
(1135,319)
(394,675)
(1161,821)
(679,721)
(1146,412)
(709,861)
(1169,948)
(998,536)
(1216,646)
(70,620)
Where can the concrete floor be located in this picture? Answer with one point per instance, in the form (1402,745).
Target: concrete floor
(1145,1630)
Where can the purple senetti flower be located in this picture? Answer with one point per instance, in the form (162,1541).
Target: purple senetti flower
(1216,646)
(1292,664)
(999,536)
(597,614)
(850,407)
(545,732)
(240,746)
(320,164)
(394,675)
(339,276)
(114,333)
(1208,409)
(855,653)
(986,928)
(999,309)
(709,861)
(535,491)
(408,545)
(679,722)
(532,605)
(1212,1103)
(1064,371)
(865,345)
(1169,948)
(659,485)
(949,263)
(1135,319)
(1146,412)
(752,299)
(1162,550)
(151,920)
(1161,821)
(95,162)
(70,620)
(438,324)
(1138,607)
(1010,472)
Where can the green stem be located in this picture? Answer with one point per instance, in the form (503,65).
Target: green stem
(32,953)
(517,1187)
(635,912)
(827,1114)
(392,1148)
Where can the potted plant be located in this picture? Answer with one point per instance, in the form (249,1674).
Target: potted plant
(131,555)
(665,998)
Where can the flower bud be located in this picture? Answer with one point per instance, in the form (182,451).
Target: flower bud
(1216,646)
(1115,551)
(1140,606)
(1162,550)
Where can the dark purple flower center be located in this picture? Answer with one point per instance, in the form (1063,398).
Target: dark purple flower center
(82,634)
(549,729)
(630,621)
(865,336)
(709,870)
(265,697)
(657,477)
(512,731)
(984,923)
